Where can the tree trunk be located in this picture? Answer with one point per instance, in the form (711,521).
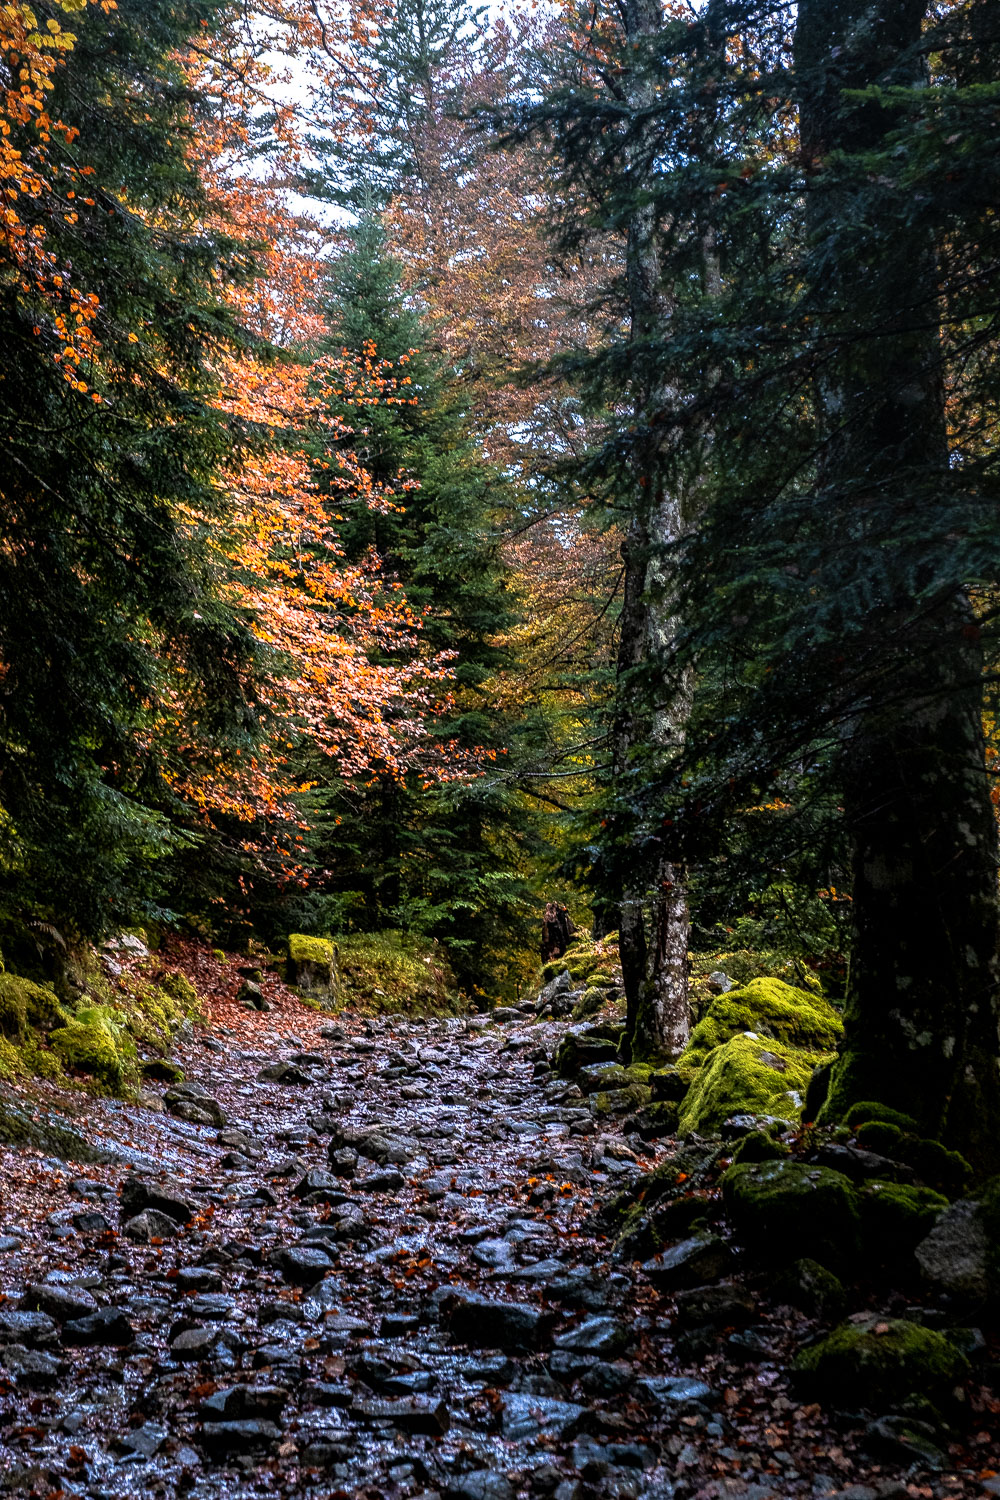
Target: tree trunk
(653,934)
(923,1013)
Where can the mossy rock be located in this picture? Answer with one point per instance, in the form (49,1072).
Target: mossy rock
(879,1363)
(668,1084)
(553,970)
(25,1005)
(577,1051)
(619,1101)
(160,1070)
(812,1288)
(393,972)
(746,1075)
(758,1145)
(657,1119)
(28,1127)
(895,1217)
(785,1210)
(868,1110)
(768,1008)
(591,1001)
(90,1048)
(934,1164)
(181,990)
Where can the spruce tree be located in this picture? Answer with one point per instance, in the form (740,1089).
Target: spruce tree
(440,860)
(104,587)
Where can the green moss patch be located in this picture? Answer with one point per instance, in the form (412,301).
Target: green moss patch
(880,1362)
(91,1047)
(391,971)
(895,1217)
(866,1111)
(303,949)
(768,1008)
(746,1075)
(25,1005)
(786,1210)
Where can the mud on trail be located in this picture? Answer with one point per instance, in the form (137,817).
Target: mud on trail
(359,1258)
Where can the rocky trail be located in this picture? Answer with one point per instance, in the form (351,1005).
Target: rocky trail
(357,1257)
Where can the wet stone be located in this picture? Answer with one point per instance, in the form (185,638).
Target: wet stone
(410,1414)
(60,1302)
(528,1416)
(303,1265)
(150,1225)
(221,1439)
(106,1326)
(470,1319)
(30,1367)
(36,1330)
(596,1336)
(482,1484)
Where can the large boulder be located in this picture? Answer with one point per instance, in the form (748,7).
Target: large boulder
(747,1074)
(879,1362)
(784,1210)
(961,1254)
(768,1008)
(312,966)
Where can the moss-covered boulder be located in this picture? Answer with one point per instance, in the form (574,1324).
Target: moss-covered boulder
(896,1217)
(865,1112)
(619,1101)
(934,1164)
(89,1046)
(746,1075)
(392,972)
(312,966)
(582,1049)
(25,1006)
(591,1001)
(767,1008)
(784,1210)
(807,1285)
(596,1077)
(878,1362)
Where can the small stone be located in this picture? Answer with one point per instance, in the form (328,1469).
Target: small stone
(596,1336)
(137,1194)
(303,1265)
(34,1329)
(410,1414)
(106,1326)
(60,1302)
(220,1439)
(387,1181)
(701,1258)
(194,1344)
(484,1324)
(525,1416)
(150,1225)
(675,1392)
(482,1484)
(145,1441)
(30,1367)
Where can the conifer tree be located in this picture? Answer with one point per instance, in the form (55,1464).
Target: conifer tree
(102,583)
(441,860)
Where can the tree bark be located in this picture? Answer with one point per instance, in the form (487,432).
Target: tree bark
(923,1012)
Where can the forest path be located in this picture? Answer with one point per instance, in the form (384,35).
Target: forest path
(374,1278)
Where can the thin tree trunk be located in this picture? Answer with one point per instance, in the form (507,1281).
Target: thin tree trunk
(923,1013)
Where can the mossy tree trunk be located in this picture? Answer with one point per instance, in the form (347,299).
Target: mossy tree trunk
(653,933)
(923,1015)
